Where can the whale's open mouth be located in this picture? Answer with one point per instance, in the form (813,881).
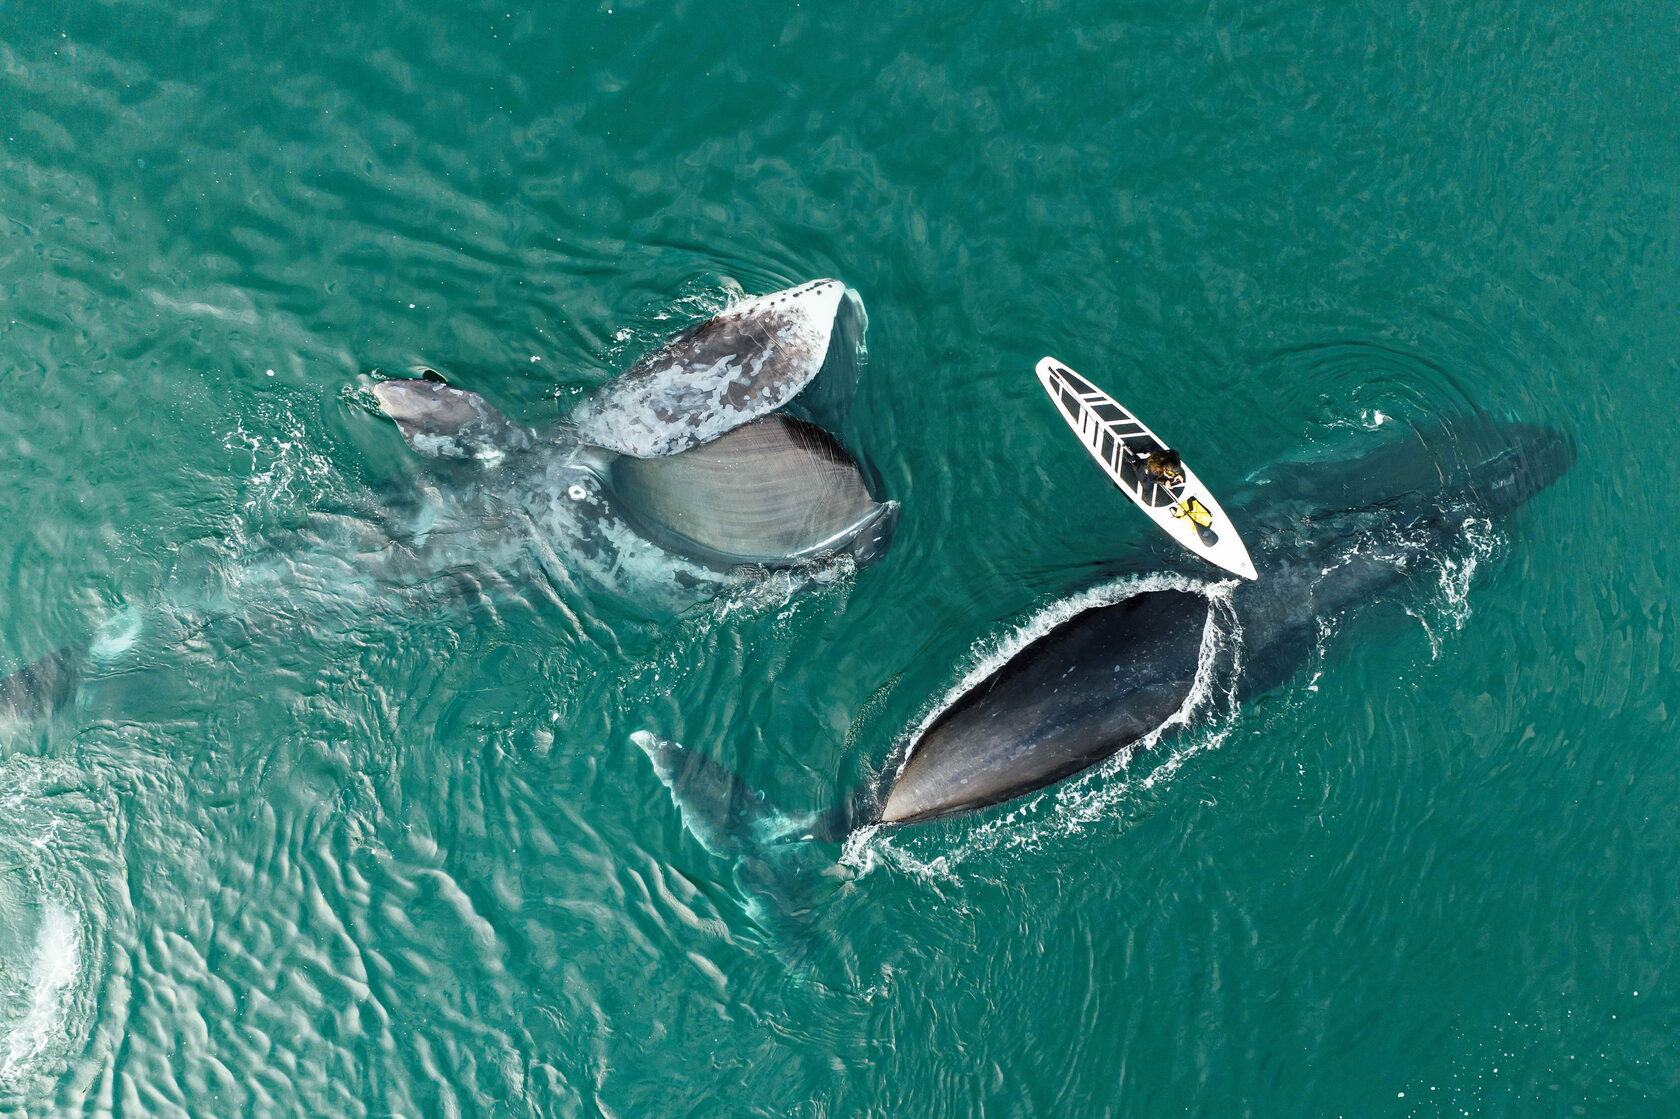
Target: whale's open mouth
(1088,678)
(695,469)
(777,491)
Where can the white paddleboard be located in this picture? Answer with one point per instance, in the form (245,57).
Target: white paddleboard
(1119,441)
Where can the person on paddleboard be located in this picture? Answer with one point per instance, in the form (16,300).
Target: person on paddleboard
(1164,467)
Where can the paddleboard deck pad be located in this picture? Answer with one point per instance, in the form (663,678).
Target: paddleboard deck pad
(1119,441)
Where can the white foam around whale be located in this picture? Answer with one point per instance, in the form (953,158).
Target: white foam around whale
(52,865)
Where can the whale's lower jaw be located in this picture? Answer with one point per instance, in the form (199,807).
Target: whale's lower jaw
(580,526)
(869,539)
(776,492)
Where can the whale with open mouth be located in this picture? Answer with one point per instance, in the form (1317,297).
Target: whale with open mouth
(686,475)
(684,470)
(1119,672)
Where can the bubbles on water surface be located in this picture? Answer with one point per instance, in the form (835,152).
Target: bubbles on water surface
(774,590)
(40,961)
(1449,608)
(288,469)
(50,903)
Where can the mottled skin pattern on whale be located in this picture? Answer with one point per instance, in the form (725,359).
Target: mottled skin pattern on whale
(733,487)
(439,421)
(511,510)
(743,363)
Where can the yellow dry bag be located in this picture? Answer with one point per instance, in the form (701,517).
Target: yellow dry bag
(1195,510)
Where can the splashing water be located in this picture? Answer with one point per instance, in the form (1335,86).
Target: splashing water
(57,963)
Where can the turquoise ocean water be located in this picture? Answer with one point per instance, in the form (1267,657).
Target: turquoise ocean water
(309,848)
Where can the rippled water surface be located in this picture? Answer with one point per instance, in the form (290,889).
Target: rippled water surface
(307,843)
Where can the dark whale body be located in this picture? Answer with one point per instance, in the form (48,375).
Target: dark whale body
(1097,682)
(1330,535)
(1332,539)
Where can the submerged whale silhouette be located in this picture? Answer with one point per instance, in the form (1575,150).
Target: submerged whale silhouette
(668,484)
(1331,535)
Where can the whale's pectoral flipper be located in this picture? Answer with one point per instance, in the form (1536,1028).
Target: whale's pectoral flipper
(728,816)
(781,878)
(740,364)
(439,421)
(777,490)
(725,814)
(40,688)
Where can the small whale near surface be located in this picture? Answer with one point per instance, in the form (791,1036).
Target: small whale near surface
(1332,535)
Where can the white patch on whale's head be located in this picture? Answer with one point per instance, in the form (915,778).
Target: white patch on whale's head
(440,421)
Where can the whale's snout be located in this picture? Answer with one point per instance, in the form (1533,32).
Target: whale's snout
(1532,458)
(439,421)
